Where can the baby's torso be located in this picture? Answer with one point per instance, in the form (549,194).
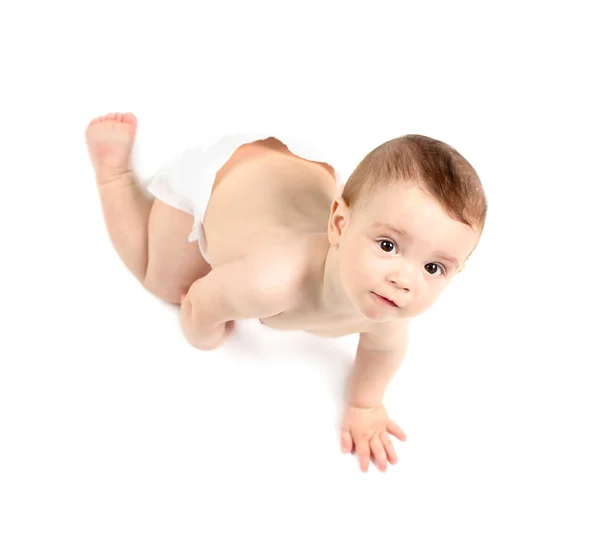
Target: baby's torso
(266,197)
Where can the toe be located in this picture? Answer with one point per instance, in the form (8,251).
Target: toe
(118,117)
(129,118)
(111,116)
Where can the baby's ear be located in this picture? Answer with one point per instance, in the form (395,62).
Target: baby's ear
(338,215)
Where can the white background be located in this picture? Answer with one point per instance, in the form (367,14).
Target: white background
(111,423)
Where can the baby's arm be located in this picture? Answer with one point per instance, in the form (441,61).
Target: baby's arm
(378,357)
(366,425)
(257,286)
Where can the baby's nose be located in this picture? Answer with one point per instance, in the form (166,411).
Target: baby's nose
(403,278)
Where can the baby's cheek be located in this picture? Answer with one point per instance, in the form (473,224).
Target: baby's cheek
(363,264)
(348,272)
(362,271)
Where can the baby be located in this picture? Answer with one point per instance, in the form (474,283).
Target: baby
(280,239)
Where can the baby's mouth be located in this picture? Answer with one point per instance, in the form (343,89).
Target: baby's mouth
(385,300)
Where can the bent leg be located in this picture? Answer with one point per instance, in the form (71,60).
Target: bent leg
(174,263)
(126,211)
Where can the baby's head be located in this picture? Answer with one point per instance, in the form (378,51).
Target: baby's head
(433,197)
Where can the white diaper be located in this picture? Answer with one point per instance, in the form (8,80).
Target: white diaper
(186,182)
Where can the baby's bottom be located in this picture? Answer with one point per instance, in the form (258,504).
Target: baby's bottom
(174,263)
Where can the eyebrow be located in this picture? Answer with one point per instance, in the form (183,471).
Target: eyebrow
(405,234)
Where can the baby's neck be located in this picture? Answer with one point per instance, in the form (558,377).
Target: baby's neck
(330,298)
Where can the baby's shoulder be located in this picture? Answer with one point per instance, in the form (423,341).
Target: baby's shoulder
(296,263)
(285,263)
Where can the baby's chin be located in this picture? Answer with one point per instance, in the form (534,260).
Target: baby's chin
(370,308)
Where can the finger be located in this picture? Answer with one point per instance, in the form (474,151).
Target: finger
(346,441)
(364,454)
(389,447)
(379,453)
(395,430)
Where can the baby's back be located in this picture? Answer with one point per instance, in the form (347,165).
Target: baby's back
(267,200)
(264,197)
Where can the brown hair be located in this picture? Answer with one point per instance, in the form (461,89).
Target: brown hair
(427,163)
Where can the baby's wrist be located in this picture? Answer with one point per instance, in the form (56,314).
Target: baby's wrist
(364,402)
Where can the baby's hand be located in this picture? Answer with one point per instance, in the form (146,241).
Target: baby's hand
(367,429)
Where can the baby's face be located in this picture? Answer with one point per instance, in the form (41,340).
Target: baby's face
(411,268)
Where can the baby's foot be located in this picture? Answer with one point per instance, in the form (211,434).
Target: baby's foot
(109,140)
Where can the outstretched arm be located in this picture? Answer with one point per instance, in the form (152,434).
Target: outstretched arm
(378,358)
(366,425)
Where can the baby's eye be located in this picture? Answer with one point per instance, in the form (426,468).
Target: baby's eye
(440,269)
(388,243)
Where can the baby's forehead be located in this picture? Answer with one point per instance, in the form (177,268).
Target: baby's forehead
(393,204)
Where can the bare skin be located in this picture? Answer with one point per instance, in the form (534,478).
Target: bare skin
(287,213)
(282,202)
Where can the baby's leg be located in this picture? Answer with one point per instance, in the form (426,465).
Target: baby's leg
(174,263)
(149,236)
